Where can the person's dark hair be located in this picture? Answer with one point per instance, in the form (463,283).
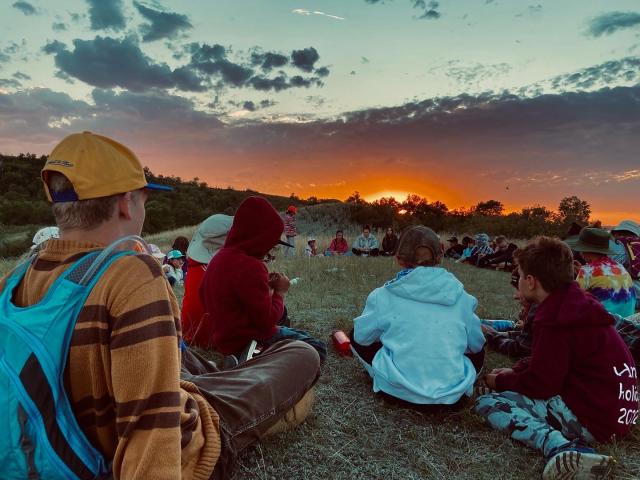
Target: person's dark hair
(549,260)
(339,231)
(466,240)
(366,227)
(181,243)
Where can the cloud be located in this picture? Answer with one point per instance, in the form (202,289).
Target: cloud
(521,139)
(305,59)
(429,9)
(251,106)
(25,7)
(269,60)
(473,73)
(21,76)
(162,24)
(212,60)
(302,11)
(625,70)
(609,23)
(9,83)
(59,26)
(106,14)
(63,76)
(107,62)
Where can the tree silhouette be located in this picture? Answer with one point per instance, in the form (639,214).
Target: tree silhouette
(573,209)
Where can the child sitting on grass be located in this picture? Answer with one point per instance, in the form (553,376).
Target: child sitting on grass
(517,341)
(580,384)
(245,303)
(418,336)
(602,276)
(173,268)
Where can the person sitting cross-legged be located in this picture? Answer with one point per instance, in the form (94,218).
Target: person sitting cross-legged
(602,276)
(338,246)
(243,301)
(366,244)
(578,386)
(418,336)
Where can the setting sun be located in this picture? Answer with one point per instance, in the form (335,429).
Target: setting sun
(397,194)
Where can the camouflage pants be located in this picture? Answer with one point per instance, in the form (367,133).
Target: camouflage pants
(541,424)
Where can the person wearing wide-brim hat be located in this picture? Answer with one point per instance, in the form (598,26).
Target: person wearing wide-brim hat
(602,276)
(207,240)
(592,240)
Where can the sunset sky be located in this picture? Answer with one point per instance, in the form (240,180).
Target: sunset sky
(461,101)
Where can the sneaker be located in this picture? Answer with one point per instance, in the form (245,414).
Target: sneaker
(578,463)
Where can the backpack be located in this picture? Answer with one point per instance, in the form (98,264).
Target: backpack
(632,249)
(41,438)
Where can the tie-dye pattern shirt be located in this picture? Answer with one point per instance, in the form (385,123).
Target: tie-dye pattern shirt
(610,283)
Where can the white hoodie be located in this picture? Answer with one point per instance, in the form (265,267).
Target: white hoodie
(426,322)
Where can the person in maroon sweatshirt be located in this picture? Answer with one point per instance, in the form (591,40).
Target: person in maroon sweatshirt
(580,383)
(242,300)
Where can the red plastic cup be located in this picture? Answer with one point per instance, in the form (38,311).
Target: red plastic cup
(341,343)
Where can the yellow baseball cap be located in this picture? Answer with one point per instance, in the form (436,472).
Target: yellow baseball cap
(96,166)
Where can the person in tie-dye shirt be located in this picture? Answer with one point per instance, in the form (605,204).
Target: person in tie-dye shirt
(602,276)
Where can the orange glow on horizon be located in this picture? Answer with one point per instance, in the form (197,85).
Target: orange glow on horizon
(396,194)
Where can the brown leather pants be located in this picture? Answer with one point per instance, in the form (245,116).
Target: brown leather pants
(253,398)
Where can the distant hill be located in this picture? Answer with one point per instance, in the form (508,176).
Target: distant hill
(23,205)
(22,200)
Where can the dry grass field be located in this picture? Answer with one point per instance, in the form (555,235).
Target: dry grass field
(354,434)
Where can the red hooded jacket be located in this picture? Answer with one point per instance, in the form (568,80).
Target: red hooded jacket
(578,355)
(235,289)
(193,330)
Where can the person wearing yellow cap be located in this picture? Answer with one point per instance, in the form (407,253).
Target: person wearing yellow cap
(122,409)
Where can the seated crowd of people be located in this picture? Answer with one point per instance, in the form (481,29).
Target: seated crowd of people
(365,245)
(138,401)
(481,251)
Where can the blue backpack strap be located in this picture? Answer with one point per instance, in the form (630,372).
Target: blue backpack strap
(44,398)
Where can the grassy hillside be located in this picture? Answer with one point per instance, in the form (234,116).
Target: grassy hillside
(352,433)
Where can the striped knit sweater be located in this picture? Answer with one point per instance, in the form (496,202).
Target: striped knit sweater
(123,371)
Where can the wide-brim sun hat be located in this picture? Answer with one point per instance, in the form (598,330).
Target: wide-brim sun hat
(209,238)
(592,240)
(627,226)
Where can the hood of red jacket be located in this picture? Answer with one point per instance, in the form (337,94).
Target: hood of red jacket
(572,306)
(257,228)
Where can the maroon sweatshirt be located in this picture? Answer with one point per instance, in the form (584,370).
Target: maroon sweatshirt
(235,289)
(578,355)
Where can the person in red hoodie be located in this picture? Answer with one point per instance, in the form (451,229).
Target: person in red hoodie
(580,384)
(243,301)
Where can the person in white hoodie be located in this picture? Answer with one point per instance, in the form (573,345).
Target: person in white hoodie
(418,336)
